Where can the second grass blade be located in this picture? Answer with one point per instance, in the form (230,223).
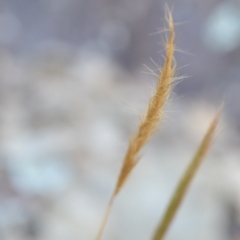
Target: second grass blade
(185,181)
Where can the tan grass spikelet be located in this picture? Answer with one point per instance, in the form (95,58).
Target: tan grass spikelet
(154,112)
(153,116)
(186,180)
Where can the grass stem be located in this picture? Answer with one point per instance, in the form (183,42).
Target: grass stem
(152,117)
(186,180)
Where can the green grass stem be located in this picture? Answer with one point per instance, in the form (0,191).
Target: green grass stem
(185,181)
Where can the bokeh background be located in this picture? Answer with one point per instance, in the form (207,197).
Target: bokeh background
(72,86)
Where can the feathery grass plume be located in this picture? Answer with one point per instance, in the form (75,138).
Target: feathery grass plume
(186,180)
(153,116)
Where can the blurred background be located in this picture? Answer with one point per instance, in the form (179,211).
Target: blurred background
(72,86)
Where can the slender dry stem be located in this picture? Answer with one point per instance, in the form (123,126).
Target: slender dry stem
(186,180)
(153,116)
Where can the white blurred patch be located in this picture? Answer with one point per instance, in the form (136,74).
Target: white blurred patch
(10,28)
(11,214)
(222,29)
(40,177)
(32,171)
